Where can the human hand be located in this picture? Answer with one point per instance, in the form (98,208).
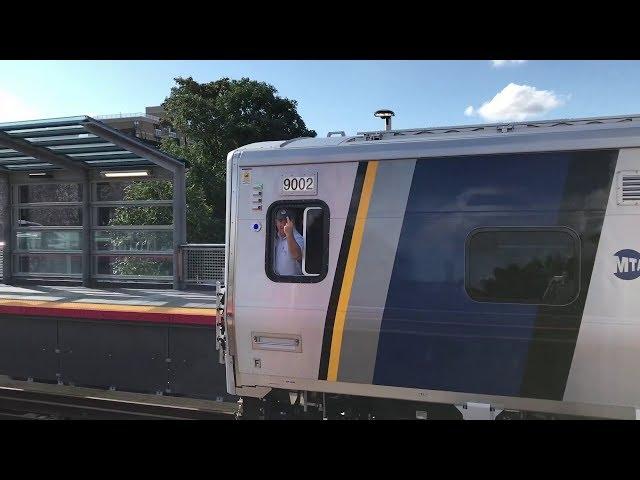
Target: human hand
(288,227)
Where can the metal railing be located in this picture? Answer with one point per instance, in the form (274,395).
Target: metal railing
(159,132)
(202,263)
(127,115)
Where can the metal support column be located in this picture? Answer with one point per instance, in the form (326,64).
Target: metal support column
(179,222)
(87,280)
(6,223)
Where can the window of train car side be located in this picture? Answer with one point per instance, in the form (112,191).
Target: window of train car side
(297,241)
(538,266)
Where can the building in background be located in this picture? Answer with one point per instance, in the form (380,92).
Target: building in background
(146,126)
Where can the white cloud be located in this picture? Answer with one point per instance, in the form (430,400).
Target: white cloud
(517,102)
(504,63)
(12,108)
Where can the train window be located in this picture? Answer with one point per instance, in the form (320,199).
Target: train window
(297,247)
(523,265)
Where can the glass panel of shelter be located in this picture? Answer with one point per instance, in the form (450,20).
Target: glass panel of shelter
(132,228)
(48,226)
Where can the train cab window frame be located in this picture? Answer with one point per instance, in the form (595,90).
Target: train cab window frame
(555,281)
(270,233)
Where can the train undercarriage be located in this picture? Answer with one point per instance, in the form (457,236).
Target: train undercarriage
(291,405)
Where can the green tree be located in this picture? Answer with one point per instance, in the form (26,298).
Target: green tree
(139,215)
(141,240)
(217,117)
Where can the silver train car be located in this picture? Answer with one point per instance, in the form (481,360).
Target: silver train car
(484,271)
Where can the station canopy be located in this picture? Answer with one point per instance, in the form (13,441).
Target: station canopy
(75,143)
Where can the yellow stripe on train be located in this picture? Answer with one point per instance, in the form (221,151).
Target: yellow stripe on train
(350,269)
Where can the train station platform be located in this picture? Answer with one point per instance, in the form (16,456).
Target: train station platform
(82,203)
(135,305)
(147,341)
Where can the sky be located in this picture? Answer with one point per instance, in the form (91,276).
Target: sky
(338,95)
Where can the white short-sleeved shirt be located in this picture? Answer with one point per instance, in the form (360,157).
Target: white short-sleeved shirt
(284,264)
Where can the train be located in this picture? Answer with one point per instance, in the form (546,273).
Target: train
(475,271)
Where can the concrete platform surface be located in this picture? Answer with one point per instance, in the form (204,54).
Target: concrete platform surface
(130,304)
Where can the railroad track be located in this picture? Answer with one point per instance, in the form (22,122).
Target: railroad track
(18,404)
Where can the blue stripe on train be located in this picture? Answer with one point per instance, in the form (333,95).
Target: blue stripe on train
(433,336)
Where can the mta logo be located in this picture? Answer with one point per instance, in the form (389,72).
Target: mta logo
(627,264)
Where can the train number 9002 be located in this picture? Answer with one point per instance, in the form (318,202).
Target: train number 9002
(298,184)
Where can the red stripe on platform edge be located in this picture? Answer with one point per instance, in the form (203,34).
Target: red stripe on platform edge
(171,318)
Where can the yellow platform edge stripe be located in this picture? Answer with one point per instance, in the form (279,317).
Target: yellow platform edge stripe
(108,307)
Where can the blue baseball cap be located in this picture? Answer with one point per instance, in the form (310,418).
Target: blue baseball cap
(283,213)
